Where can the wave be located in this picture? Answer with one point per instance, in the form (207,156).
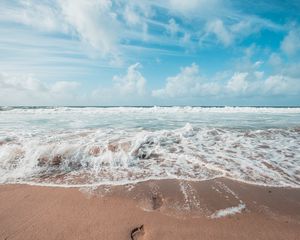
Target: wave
(114,156)
(156,109)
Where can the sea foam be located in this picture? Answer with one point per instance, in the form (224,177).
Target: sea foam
(93,146)
(229,211)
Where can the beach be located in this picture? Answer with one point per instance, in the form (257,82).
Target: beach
(149,173)
(167,209)
(149,120)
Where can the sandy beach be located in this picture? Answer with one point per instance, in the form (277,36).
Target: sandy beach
(164,209)
(149,120)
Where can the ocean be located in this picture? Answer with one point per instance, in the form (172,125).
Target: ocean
(90,146)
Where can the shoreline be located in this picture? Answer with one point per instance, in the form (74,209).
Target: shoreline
(115,184)
(167,209)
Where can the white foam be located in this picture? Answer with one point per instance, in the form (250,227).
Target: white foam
(229,211)
(94,146)
(155,109)
(189,195)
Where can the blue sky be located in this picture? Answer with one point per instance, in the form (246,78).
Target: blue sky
(172,52)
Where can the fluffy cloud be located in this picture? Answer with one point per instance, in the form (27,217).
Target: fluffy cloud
(135,12)
(259,74)
(221,32)
(63,87)
(238,83)
(36,14)
(130,88)
(131,83)
(291,43)
(93,21)
(20,83)
(126,89)
(27,90)
(253,84)
(280,85)
(189,83)
(131,16)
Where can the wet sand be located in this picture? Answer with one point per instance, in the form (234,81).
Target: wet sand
(167,209)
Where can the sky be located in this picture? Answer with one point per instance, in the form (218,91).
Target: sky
(151,52)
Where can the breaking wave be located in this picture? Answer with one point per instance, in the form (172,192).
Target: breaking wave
(98,146)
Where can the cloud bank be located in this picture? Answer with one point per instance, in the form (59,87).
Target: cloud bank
(17,89)
(190,83)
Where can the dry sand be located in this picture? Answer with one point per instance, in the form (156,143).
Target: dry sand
(167,209)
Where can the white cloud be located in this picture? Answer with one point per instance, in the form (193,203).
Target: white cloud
(108,25)
(291,43)
(257,64)
(63,87)
(211,20)
(36,14)
(275,60)
(227,32)
(20,82)
(259,74)
(191,7)
(131,16)
(25,89)
(251,60)
(131,83)
(281,85)
(216,19)
(186,38)
(190,84)
(126,89)
(254,84)
(173,27)
(94,22)
(238,83)
(187,83)
(221,32)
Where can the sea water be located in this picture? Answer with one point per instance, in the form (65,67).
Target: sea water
(84,146)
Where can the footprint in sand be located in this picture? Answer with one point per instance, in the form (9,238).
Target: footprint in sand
(136,233)
(157,201)
(152,203)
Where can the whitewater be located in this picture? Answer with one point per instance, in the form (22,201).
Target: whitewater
(86,146)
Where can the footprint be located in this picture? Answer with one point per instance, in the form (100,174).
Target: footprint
(137,232)
(151,203)
(157,201)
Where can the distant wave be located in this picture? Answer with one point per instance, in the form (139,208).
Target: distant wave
(162,109)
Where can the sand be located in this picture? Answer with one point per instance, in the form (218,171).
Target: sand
(163,209)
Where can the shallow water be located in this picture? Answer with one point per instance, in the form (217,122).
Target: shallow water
(116,145)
